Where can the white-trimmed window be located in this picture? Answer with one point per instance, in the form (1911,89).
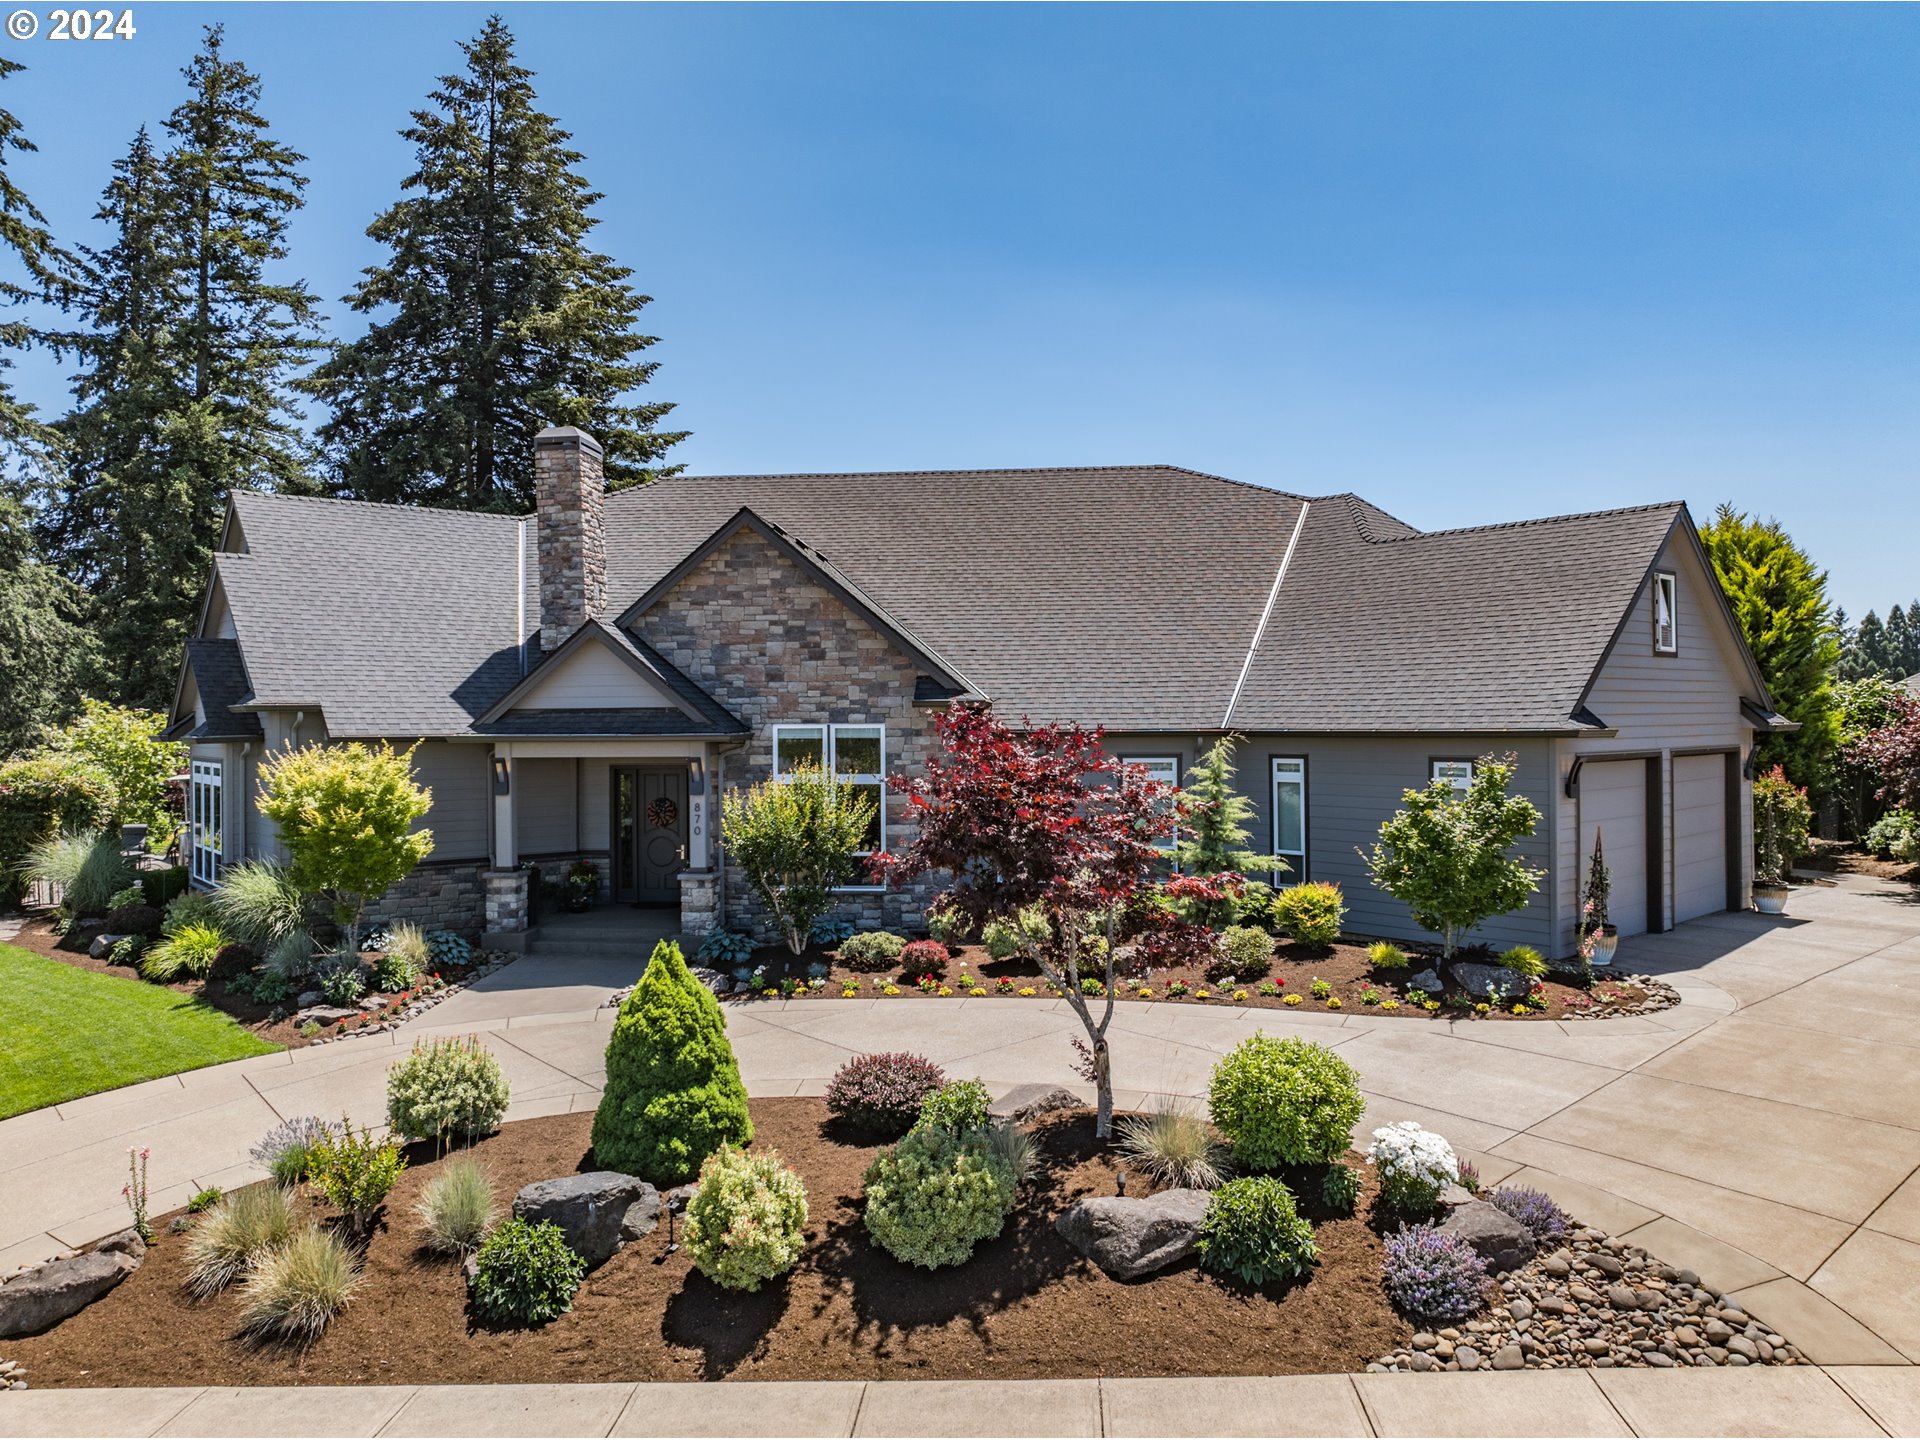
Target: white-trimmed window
(856,755)
(1165,769)
(1457,773)
(203,821)
(1290,817)
(1666,624)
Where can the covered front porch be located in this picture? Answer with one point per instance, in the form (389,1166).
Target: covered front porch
(638,810)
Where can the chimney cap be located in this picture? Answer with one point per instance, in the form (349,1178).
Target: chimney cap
(567,435)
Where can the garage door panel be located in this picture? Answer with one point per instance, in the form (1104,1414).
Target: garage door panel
(1613,800)
(1699,835)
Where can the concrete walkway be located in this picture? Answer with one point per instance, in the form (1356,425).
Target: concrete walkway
(1870,1401)
(1765,1133)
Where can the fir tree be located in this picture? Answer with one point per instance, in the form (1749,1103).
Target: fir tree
(494,317)
(1214,834)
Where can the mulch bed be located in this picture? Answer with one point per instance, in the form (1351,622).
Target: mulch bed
(1026,1305)
(1344,967)
(1849,857)
(273,1023)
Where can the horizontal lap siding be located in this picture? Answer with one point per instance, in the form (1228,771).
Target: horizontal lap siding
(544,813)
(1354,783)
(462,787)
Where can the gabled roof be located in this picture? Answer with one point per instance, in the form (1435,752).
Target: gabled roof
(217,673)
(697,712)
(824,572)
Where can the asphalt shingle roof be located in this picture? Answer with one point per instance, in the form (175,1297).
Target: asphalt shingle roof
(1126,596)
(221,678)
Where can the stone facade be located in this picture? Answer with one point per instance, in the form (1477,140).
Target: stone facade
(437,897)
(777,648)
(570,495)
(506,908)
(700,906)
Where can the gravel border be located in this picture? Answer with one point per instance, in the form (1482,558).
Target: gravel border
(490,961)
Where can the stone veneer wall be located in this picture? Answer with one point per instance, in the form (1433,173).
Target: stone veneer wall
(569,531)
(449,896)
(777,648)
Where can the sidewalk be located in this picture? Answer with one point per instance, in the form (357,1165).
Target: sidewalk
(1870,1401)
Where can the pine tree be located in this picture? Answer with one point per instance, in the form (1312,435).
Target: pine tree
(1780,600)
(1214,834)
(495,318)
(1902,643)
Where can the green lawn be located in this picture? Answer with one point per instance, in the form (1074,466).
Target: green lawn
(67,1032)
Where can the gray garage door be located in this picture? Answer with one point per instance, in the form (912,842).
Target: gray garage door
(1699,835)
(1613,800)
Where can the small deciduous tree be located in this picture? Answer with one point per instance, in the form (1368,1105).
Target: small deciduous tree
(1445,854)
(1782,815)
(795,839)
(1891,751)
(346,815)
(1041,818)
(1214,834)
(121,744)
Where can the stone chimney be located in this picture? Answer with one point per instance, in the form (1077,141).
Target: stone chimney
(570,494)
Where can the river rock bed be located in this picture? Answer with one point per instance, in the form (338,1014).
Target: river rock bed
(1597,1303)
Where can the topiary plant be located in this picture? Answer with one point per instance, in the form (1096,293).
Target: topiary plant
(1253,1232)
(1310,912)
(524,1274)
(882,1093)
(444,1088)
(935,1195)
(673,1094)
(747,1222)
(873,951)
(1284,1102)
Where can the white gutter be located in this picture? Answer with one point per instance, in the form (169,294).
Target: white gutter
(1260,630)
(520,594)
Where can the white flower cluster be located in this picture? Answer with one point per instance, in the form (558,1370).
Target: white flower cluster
(1414,1163)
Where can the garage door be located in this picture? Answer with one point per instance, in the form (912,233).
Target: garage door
(1699,835)
(1613,800)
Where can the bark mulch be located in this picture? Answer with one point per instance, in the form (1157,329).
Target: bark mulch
(1026,1305)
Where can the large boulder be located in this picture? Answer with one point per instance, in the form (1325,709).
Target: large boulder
(1028,1102)
(1503,1242)
(1129,1237)
(591,1210)
(1491,982)
(36,1299)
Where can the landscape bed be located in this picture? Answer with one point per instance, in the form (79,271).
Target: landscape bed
(1026,1305)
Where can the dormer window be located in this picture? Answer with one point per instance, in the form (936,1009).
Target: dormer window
(1666,632)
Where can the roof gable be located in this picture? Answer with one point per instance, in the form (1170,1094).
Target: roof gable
(599,672)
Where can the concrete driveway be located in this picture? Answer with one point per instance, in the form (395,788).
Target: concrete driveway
(1765,1133)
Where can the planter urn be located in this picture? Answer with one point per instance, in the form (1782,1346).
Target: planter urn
(1606,940)
(1770,899)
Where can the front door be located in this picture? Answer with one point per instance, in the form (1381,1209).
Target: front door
(649,833)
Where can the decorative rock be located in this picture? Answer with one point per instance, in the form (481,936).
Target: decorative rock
(1468,1357)
(325,1014)
(590,1209)
(123,1242)
(1491,982)
(716,982)
(1621,1297)
(642,1217)
(1502,1241)
(1129,1237)
(1521,1310)
(1424,1341)
(1740,1345)
(308,997)
(1509,1357)
(1607,1266)
(37,1299)
(1025,1102)
(102,944)
(1455,1195)
(1422,1361)
(677,1199)
(1426,980)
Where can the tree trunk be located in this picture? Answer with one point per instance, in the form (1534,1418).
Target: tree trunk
(1103,1091)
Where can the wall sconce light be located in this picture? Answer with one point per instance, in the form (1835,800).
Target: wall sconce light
(502,775)
(1746,766)
(697,776)
(1573,777)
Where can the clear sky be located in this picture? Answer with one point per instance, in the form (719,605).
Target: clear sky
(1476,264)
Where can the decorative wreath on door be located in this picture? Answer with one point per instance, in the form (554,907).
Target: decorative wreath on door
(662,813)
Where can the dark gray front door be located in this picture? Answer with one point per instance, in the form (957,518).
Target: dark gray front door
(650,832)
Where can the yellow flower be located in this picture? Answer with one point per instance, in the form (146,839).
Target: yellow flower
(1431,1005)
(945,990)
(1146,992)
(1239,995)
(1389,1004)
(978,990)
(1028,991)
(891,990)
(1333,1002)
(1200,995)
(1291,1000)
(1519,1009)
(850,993)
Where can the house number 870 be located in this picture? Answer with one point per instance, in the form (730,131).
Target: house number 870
(90,25)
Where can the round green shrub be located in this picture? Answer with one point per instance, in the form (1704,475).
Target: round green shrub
(1340,1189)
(747,1222)
(959,1106)
(446,1087)
(673,1093)
(1385,955)
(874,951)
(1311,912)
(1244,952)
(524,1274)
(1253,1232)
(1284,1102)
(1003,937)
(935,1195)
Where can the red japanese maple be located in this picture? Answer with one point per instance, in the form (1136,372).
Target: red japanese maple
(1892,752)
(1041,817)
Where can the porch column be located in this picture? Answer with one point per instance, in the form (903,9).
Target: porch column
(506,882)
(700,897)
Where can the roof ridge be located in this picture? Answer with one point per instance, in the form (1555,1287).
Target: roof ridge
(982,471)
(1518,524)
(384,505)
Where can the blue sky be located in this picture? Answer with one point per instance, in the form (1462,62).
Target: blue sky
(1476,264)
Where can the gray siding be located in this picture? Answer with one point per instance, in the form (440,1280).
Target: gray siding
(545,810)
(461,817)
(1661,704)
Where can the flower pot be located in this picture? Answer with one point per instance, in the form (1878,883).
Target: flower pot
(1606,940)
(1770,899)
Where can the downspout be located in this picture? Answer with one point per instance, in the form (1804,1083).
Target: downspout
(520,594)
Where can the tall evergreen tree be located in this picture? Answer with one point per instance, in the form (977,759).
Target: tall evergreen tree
(43,649)
(494,317)
(1781,602)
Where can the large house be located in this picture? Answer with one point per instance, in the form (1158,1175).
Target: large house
(587,681)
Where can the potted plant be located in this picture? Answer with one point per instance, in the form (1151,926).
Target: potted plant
(1598,938)
(1782,816)
(583,885)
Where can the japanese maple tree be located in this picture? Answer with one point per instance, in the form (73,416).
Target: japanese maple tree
(1041,818)
(1891,753)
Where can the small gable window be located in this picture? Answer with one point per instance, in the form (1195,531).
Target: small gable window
(1666,630)
(1457,773)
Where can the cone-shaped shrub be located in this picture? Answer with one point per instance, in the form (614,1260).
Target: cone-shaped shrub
(673,1093)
